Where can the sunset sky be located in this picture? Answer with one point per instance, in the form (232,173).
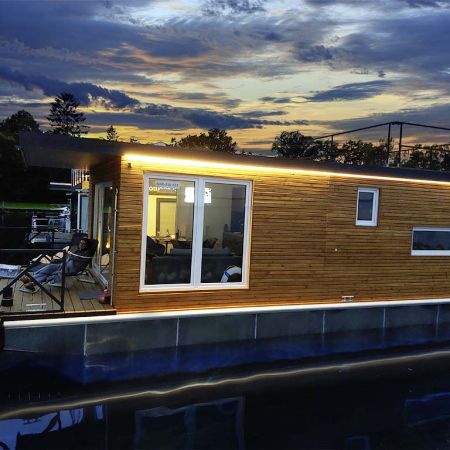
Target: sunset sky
(160,69)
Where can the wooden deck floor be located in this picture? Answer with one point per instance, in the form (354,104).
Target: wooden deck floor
(73,306)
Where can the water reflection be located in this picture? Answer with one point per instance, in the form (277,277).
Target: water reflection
(382,407)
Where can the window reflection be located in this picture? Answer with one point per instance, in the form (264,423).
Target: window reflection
(170,218)
(365,205)
(223,232)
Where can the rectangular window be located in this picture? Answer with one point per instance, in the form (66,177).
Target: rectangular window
(430,242)
(367,207)
(195,233)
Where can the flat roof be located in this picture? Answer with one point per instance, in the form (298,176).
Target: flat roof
(51,150)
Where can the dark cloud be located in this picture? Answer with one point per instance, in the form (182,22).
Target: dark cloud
(219,7)
(351,91)
(262,113)
(424,3)
(218,98)
(83,92)
(280,100)
(138,120)
(314,53)
(383,3)
(205,119)
(414,45)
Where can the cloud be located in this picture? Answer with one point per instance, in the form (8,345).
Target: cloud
(436,115)
(83,92)
(210,98)
(377,3)
(351,91)
(205,119)
(221,7)
(262,113)
(279,100)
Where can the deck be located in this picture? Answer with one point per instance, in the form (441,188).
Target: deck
(73,305)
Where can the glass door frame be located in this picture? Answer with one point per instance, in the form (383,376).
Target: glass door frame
(98,225)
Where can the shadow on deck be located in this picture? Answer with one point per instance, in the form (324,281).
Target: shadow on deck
(80,299)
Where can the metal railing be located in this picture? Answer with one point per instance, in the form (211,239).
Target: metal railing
(28,271)
(78,176)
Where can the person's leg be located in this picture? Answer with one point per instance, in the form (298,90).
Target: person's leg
(57,276)
(46,272)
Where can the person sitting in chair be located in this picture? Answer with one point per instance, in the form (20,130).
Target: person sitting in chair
(52,273)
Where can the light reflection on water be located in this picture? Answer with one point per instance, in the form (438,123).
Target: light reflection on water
(381,407)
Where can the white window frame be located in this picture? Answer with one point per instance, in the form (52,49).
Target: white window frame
(197,235)
(374,221)
(428,252)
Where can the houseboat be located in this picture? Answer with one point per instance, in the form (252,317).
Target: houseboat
(221,247)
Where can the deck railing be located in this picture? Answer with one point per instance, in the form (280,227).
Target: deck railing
(78,176)
(51,256)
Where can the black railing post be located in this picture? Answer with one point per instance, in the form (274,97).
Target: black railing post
(400,144)
(63,279)
(388,144)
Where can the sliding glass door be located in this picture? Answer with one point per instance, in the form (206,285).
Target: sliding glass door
(103,230)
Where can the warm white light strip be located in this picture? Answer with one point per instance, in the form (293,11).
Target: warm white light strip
(269,169)
(215,312)
(264,376)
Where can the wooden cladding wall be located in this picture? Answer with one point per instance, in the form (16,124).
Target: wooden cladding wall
(305,246)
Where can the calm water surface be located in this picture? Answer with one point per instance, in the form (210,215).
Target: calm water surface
(401,406)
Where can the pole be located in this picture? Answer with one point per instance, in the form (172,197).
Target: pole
(400,144)
(388,144)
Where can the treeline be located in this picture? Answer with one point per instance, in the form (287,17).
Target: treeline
(20,183)
(295,145)
(65,118)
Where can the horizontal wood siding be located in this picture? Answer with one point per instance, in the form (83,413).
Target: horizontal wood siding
(305,246)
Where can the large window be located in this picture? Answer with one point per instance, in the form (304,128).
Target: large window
(195,233)
(430,242)
(367,207)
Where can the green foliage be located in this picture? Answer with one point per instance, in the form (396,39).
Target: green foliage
(435,157)
(20,121)
(111,134)
(216,140)
(363,153)
(64,117)
(293,144)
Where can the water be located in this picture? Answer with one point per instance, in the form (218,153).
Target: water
(369,403)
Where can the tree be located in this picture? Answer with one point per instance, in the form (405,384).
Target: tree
(10,160)
(20,121)
(111,134)
(216,140)
(293,144)
(64,117)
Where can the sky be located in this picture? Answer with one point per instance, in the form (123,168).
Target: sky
(157,69)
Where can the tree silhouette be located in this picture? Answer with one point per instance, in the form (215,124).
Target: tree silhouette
(64,117)
(20,121)
(216,140)
(111,134)
(293,144)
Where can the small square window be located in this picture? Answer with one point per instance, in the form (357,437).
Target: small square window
(367,207)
